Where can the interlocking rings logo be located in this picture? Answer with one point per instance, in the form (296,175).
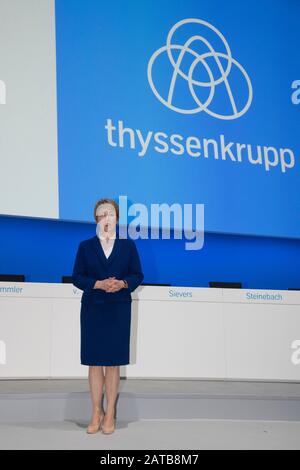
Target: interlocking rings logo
(189,65)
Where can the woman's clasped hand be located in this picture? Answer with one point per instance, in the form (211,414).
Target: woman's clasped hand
(110,284)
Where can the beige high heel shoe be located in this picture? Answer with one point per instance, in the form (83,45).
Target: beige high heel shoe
(93,428)
(108,430)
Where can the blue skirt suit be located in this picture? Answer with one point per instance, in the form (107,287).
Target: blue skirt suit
(105,317)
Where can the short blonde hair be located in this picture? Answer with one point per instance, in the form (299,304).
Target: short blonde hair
(106,201)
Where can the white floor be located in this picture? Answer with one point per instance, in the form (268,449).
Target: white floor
(154,434)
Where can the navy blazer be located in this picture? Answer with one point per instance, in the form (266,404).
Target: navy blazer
(91,265)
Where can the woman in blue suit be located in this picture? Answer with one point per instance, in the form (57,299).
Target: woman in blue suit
(107,269)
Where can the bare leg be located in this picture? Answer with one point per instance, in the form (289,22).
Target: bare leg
(112,380)
(96,381)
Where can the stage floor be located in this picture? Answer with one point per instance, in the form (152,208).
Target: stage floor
(152,414)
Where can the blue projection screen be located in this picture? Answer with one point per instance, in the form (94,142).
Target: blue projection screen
(181,102)
(172,102)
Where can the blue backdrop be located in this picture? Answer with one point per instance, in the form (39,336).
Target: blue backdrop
(44,250)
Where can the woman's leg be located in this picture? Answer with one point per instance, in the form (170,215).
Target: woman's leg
(112,380)
(96,381)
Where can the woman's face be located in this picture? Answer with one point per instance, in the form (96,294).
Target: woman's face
(107,218)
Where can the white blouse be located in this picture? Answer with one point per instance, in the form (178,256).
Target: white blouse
(107,243)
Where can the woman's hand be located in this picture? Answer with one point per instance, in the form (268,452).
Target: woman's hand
(115,285)
(103,285)
(110,284)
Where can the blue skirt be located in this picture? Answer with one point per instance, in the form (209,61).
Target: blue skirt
(105,333)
